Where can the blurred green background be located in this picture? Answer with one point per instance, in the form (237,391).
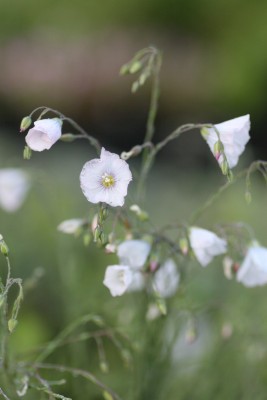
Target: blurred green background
(67,55)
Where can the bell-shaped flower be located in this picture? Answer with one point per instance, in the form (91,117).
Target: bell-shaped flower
(45,133)
(118,279)
(133,253)
(206,245)
(14,186)
(253,270)
(71,226)
(106,179)
(138,281)
(166,279)
(234,135)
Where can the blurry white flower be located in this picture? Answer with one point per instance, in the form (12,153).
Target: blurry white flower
(106,179)
(110,248)
(138,281)
(133,253)
(253,270)
(153,312)
(71,226)
(44,134)
(206,245)
(14,186)
(228,264)
(117,279)
(234,135)
(166,279)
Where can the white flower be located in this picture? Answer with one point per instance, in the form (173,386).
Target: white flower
(253,270)
(166,279)
(106,179)
(138,281)
(117,279)
(234,134)
(71,226)
(133,253)
(44,134)
(206,245)
(14,186)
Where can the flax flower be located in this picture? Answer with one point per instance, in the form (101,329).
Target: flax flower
(166,279)
(117,279)
(133,253)
(71,226)
(253,270)
(44,134)
(14,186)
(234,135)
(206,245)
(106,179)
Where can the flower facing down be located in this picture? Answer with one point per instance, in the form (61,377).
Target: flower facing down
(234,135)
(44,134)
(253,270)
(206,245)
(14,186)
(117,279)
(106,179)
(133,253)
(71,226)
(166,279)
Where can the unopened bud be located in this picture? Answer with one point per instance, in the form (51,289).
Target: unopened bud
(204,132)
(224,167)
(183,243)
(27,153)
(97,233)
(68,137)
(25,123)
(104,366)
(218,149)
(12,323)
(135,67)
(124,69)
(135,87)
(107,396)
(161,305)
(4,248)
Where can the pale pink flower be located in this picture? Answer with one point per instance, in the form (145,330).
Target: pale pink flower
(14,186)
(253,270)
(118,279)
(206,245)
(45,133)
(106,179)
(234,135)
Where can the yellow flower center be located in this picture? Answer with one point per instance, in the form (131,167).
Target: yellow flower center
(108,180)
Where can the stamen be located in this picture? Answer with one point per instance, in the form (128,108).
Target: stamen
(108,180)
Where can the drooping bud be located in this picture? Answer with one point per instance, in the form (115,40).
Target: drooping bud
(225,167)
(135,67)
(25,123)
(183,243)
(27,153)
(4,248)
(12,323)
(97,233)
(218,149)
(204,132)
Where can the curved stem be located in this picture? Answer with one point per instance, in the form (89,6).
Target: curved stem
(93,141)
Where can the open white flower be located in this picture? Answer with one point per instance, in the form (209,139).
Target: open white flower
(133,253)
(166,279)
(44,134)
(206,245)
(71,226)
(14,186)
(253,270)
(234,135)
(117,279)
(106,179)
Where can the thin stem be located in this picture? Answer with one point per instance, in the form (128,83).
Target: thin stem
(78,372)
(4,395)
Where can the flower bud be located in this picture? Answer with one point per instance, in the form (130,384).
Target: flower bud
(104,366)
(12,323)
(224,167)
(218,149)
(3,248)
(135,87)
(183,243)
(204,132)
(135,67)
(25,123)
(161,305)
(27,153)
(97,233)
